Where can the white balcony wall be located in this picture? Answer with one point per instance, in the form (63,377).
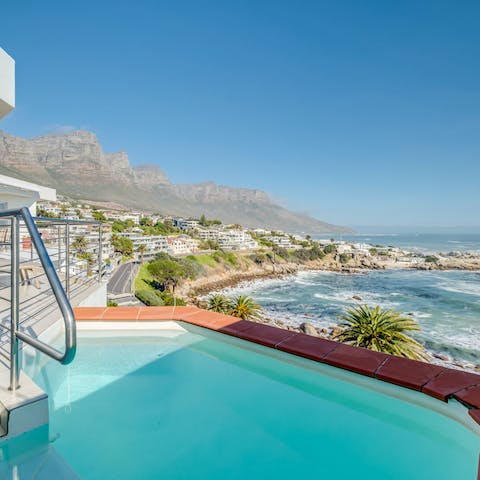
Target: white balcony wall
(7,83)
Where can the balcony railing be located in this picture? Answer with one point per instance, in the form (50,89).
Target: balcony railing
(45,264)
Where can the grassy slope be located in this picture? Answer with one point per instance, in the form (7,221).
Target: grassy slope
(216,262)
(143,278)
(205,260)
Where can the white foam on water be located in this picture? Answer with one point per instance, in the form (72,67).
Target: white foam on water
(421,315)
(460,286)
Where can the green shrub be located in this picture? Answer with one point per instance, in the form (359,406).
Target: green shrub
(329,249)
(281,252)
(431,259)
(345,258)
(192,267)
(258,258)
(307,254)
(230,258)
(152,299)
(169,300)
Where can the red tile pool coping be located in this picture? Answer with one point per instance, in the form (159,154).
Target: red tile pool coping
(434,380)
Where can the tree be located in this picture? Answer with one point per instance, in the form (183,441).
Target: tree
(80,244)
(381,331)
(219,303)
(41,212)
(167,273)
(146,222)
(89,259)
(99,216)
(245,308)
(141,249)
(329,249)
(203,221)
(122,245)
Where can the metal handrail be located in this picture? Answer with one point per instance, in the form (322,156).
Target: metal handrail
(63,221)
(58,291)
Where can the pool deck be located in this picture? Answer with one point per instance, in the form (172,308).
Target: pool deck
(436,381)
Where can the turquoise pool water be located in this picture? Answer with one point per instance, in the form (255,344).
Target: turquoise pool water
(185,406)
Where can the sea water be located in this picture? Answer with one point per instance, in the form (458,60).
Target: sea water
(418,242)
(446,304)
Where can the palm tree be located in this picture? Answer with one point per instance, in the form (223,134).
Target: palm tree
(381,331)
(80,244)
(89,259)
(245,308)
(219,303)
(141,249)
(63,208)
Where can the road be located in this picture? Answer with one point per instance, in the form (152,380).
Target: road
(122,279)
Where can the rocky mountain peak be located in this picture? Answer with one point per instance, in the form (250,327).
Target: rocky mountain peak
(76,165)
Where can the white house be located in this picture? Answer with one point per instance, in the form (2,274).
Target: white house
(236,240)
(209,234)
(182,245)
(153,243)
(124,216)
(281,241)
(182,224)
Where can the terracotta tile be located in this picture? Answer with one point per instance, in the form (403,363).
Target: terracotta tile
(208,319)
(407,373)
(356,359)
(224,322)
(236,327)
(121,313)
(449,382)
(475,414)
(471,396)
(184,312)
(265,334)
(155,313)
(89,313)
(307,346)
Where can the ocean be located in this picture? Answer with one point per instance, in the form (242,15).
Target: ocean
(421,242)
(445,303)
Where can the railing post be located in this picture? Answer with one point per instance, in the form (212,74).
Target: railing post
(14,304)
(100,255)
(67,260)
(59,246)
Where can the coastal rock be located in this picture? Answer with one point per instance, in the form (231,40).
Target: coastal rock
(439,356)
(357,297)
(308,329)
(335,331)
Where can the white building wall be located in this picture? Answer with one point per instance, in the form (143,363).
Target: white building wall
(15,193)
(7,83)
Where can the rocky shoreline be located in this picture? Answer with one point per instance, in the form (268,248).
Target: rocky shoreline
(191,290)
(196,291)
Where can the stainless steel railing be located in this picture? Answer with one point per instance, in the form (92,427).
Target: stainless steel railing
(59,293)
(65,251)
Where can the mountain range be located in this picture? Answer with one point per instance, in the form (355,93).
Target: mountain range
(76,166)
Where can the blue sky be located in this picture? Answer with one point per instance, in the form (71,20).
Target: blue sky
(359,113)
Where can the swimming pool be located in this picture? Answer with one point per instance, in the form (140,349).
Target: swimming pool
(179,404)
